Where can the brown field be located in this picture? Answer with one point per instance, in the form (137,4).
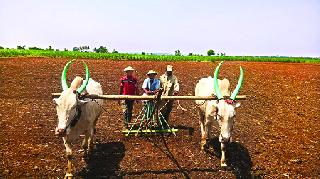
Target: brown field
(276,134)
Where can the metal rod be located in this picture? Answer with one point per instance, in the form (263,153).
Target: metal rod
(135,122)
(123,97)
(150,131)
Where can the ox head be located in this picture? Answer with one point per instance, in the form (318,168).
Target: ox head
(226,106)
(68,105)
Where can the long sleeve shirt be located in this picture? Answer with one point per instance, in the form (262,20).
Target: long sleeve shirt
(169,84)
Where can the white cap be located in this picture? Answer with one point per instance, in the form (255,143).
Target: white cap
(129,68)
(151,72)
(169,68)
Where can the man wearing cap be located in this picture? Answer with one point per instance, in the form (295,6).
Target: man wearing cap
(170,86)
(151,85)
(128,86)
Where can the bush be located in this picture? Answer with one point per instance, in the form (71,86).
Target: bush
(35,48)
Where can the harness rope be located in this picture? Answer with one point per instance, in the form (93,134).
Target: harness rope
(75,118)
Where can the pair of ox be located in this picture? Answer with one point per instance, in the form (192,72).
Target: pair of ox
(79,116)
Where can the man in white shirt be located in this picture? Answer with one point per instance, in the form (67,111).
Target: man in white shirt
(170,85)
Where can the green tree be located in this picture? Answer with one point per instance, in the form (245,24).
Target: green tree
(114,51)
(210,52)
(21,47)
(75,49)
(177,53)
(84,48)
(190,54)
(143,53)
(101,49)
(1,47)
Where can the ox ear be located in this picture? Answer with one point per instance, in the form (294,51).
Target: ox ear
(56,100)
(237,104)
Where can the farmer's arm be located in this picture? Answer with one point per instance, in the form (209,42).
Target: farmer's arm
(176,87)
(137,87)
(121,88)
(145,87)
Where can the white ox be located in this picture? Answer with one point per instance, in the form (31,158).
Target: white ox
(221,110)
(77,116)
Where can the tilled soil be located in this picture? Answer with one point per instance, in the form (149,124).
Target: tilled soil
(276,134)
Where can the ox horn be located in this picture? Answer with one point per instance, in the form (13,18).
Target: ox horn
(215,82)
(85,83)
(236,91)
(64,83)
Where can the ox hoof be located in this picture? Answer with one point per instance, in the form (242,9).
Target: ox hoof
(68,175)
(224,166)
(204,147)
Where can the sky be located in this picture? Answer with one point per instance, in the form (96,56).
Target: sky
(246,27)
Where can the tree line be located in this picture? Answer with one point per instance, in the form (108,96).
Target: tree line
(103,49)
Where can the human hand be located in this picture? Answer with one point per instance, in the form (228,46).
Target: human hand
(175,93)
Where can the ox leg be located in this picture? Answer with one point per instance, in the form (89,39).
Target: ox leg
(223,154)
(90,139)
(208,126)
(202,128)
(69,157)
(85,142)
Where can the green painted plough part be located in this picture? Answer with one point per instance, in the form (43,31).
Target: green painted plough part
(149,131)
(150,120)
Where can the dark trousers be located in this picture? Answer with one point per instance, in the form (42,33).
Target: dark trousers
(127,106)
(166,110)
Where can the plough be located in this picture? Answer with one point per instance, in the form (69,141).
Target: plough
(150,120)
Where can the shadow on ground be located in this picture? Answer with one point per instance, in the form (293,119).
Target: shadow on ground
(160,143)
(237,156)
(104,161)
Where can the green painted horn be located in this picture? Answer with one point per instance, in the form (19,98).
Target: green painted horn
(236,91)
(64,83)
(215,82)
(85,83)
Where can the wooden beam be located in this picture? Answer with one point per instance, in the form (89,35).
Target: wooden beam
(123,97)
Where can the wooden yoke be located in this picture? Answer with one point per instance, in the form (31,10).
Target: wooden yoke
(152,97)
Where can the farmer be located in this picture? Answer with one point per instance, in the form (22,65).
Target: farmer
(151,85)
(128,86)
(170,86)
